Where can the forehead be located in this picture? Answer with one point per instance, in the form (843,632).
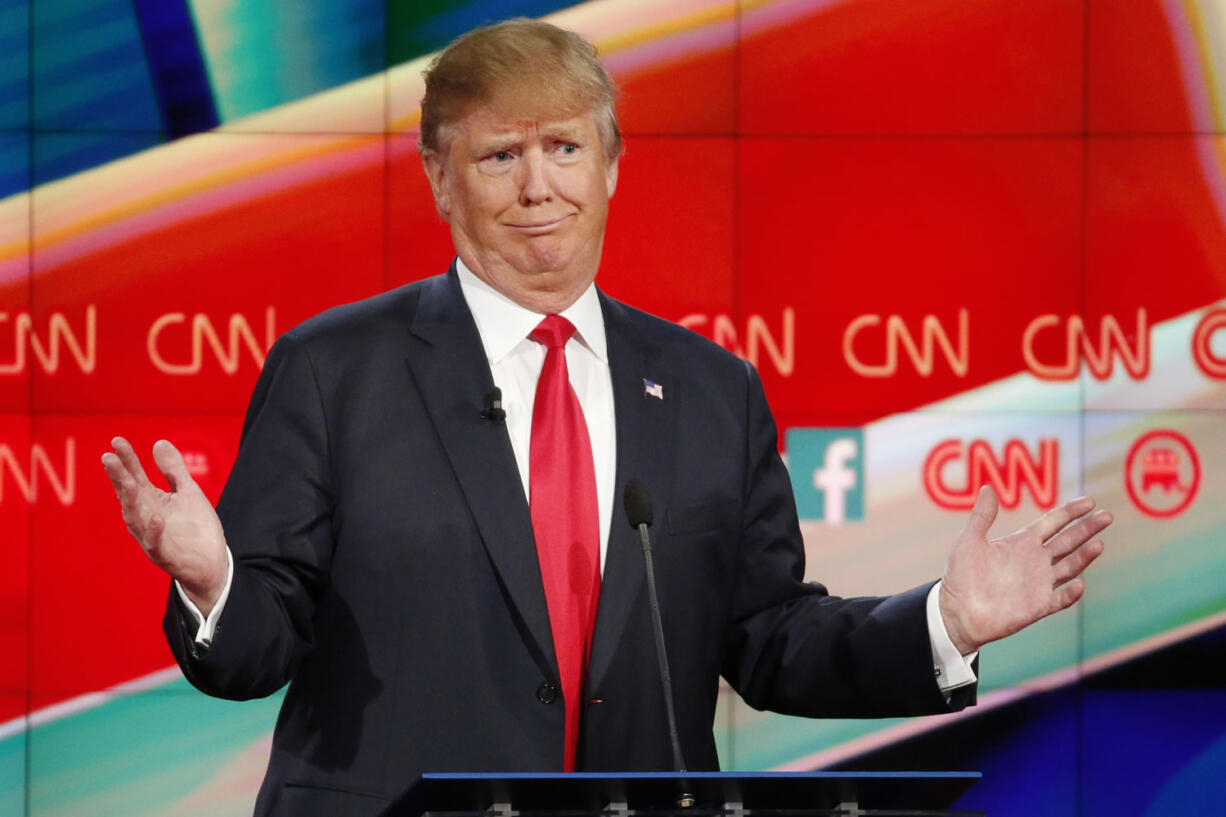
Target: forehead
(489,122)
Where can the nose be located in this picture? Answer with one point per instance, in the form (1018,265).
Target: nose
(535,187)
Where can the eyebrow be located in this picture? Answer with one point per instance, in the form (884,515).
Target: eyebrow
(563,133)
(512,139)
(500,142)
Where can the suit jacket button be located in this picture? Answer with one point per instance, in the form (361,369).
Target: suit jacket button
(547,693)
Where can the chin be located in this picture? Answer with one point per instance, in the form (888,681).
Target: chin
(542,260)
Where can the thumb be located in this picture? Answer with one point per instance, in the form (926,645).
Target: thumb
(170,462)
(983,514)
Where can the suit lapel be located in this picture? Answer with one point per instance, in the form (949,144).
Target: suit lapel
(452,375)
(646,444)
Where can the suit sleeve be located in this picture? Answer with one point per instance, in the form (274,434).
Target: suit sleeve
(276,512)
(793,648)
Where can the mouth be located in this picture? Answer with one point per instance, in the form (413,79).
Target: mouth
(541,227)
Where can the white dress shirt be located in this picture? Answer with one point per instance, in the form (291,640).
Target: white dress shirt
(515,361)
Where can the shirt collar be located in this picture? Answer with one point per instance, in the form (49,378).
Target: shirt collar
(503,324)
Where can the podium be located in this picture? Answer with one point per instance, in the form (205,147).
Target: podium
(688,794)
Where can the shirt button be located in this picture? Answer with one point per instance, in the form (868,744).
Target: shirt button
(547,693)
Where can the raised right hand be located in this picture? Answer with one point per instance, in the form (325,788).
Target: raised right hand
(178,530)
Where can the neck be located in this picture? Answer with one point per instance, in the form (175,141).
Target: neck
(546,293)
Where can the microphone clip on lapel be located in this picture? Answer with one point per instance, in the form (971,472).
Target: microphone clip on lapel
(493,410)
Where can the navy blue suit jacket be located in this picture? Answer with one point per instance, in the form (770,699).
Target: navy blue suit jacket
(385,566)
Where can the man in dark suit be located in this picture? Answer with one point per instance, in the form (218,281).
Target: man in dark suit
(444,582)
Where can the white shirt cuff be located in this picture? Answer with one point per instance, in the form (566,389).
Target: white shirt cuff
(952,669)
(205,627)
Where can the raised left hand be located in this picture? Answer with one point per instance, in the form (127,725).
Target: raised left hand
(994,587)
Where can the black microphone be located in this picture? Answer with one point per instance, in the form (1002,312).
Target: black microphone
(637,501)
(638,506)
(493,410)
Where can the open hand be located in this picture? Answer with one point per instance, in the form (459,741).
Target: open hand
(993,588)
(178,529)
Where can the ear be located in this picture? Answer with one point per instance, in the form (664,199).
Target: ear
(610,177)
(435,166)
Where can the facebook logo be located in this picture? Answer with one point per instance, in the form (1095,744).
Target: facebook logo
(827,468)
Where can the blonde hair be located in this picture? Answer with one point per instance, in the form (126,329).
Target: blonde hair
(527,66)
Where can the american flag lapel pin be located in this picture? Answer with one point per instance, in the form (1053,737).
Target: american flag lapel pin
(652,389)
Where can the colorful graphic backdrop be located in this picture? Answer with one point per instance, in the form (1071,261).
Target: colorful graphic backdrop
(964,241)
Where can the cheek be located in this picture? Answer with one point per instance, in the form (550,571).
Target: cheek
(598,188)
(596,197)
(483,204)
(577,190)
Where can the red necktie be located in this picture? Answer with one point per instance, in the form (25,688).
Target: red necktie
(562,497)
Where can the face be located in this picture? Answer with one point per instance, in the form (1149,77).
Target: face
(527,202)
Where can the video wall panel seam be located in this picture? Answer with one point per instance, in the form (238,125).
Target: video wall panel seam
(29,657)
(387,147)
(1079,730)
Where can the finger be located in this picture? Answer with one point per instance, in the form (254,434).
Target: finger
(118,475)
(983,514)
(129,495)
(126,489)
(170,462)
(1076,534)
(1076,562)
(1050,523)
(1068,595)
(130,461)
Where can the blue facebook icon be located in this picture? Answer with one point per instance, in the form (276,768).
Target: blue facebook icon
(827,468)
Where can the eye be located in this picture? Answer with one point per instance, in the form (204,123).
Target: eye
(570,148)
(501,156)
